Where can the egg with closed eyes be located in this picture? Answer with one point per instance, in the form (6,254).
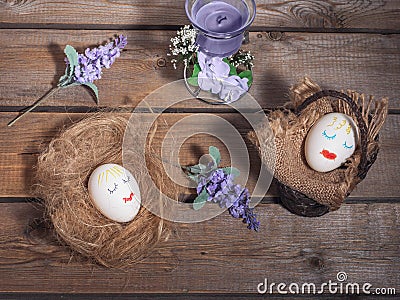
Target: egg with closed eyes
(330,142)
(114,192)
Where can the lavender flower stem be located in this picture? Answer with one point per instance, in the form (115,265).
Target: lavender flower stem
(34,105)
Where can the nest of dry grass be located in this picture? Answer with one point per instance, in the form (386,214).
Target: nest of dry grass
(63,170)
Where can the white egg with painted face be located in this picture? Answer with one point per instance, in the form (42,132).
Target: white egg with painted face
(330,142)
(115,192)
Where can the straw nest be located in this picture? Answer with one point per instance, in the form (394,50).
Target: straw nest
(63,170)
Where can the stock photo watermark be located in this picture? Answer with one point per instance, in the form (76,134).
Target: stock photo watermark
(339,286)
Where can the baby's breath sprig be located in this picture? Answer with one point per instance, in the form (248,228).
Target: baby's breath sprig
(242,58)
(183,48)
(183,45)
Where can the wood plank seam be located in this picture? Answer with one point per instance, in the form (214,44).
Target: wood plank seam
(176,27)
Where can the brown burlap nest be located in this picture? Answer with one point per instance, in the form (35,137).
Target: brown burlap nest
(305,191)
(62,174)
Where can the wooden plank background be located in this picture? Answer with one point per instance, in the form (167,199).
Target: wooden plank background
(340,44)
(332,14)
(364,62)
(20,156)
(197,260)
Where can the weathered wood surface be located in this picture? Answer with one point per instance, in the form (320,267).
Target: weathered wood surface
(32,61)
(23,142)
(220,258)
(219,255)
(311,14)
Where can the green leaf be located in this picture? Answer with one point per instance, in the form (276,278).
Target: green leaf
(71,54)
(196,70)
(231,170)
(195,178)
(70,70)
(247,74)
(200,200)
(232,68)
(193,80)
(66,78)
(197,168)
(93,87)
(215,154)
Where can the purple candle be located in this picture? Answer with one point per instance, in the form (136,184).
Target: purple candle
(220,17)
(221,24)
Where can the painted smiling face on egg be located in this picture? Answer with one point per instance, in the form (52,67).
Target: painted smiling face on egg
(330,142)
(114,192)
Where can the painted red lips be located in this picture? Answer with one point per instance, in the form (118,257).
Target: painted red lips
(328,155)
(128,199)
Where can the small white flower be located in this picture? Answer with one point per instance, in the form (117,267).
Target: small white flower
(214,77)
(183,45)
(233,88)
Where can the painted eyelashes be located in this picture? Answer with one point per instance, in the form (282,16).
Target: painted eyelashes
(329,137)
(346,146)
(128,178)
(114,189)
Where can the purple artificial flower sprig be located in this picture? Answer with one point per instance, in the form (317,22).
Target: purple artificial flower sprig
(84,69)
(217,185)
(88,67)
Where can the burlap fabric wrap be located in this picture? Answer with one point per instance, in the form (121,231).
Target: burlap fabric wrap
(304,191)
(63,170)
